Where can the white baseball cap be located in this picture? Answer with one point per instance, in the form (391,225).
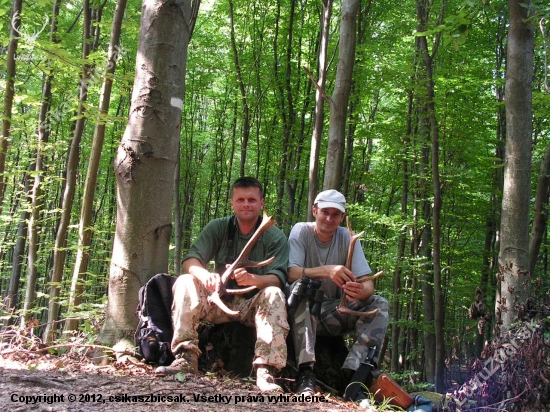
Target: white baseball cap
(331,198)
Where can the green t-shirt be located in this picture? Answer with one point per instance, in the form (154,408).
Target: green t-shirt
(213,244)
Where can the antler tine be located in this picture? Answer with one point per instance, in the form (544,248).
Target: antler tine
(347,311)
(363,279)
(241,261)
(343,306)
(217,300)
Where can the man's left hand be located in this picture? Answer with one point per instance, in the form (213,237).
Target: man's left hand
(354,291)
(244,278)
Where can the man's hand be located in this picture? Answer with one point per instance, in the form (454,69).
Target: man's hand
(244,278)
(193,266)
(358,291)
(211,281)
(353,290)
(340,275)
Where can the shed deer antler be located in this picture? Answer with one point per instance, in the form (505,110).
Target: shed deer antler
(343,306)
(242,261)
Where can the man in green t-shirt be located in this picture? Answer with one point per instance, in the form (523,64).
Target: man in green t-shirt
(222,240)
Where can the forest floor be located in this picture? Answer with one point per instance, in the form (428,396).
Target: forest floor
(33,380)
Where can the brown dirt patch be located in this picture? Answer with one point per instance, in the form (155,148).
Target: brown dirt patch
(71,382)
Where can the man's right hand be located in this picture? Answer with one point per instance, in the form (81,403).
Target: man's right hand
(211,281)
(340,274)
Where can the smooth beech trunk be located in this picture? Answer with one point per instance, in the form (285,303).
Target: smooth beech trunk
(334,163)
(146,161)
(514,274)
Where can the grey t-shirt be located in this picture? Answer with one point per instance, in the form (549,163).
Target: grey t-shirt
(307,251)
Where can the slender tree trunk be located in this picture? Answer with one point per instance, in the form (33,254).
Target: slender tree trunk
(422,9)
(340,96)
(285,99)
(242,88)
(9,92)
(436,225)
(412,341)
(146,160)
(289,116)
(351,193)
(540,217)
(490,253)
(18,252)
(84,231)
(43,135)
(397,302)
(320,97)
(514,242)
(425,252)
(73,157)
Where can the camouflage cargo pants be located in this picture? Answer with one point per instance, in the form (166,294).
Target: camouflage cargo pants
(368,331)
(265,311)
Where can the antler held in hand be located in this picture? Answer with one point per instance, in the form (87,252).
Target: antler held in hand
(242,261)
(343,306)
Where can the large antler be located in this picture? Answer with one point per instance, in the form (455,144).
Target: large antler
(343,306)
(242,261)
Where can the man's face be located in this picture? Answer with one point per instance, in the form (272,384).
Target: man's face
(327,220)
(246,202)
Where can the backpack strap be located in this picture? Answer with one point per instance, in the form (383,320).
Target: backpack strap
(231,229)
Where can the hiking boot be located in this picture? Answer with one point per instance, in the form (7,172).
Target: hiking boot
(305,384)
(265,379)
(185,362)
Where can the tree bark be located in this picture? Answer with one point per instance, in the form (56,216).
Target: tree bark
(340,96)
(514,242)
(9,92)
(146,160)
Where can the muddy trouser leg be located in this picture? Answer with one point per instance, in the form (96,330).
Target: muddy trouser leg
(266,311)
(368,331)
(189,307)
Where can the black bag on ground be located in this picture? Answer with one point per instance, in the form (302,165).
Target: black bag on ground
(154,332)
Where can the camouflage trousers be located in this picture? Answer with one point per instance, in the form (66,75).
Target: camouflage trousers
(266,311)
(368,331)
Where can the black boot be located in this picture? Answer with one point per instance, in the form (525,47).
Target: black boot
(359,382)
(306,381)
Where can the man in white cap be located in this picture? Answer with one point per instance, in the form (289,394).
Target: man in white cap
(318,251)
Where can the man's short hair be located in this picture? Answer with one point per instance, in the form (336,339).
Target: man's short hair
(248,181)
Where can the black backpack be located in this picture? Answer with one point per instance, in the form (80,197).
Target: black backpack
(154,332)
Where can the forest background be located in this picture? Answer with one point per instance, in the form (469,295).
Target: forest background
(424,75)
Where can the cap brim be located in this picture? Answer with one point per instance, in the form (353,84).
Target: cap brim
(326,205)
